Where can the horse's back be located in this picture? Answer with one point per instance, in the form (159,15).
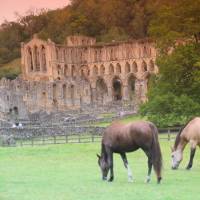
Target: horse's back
(192,130)
(128,136)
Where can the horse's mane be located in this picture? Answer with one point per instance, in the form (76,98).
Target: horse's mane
(178,137)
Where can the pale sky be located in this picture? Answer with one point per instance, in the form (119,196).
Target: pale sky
(9,7)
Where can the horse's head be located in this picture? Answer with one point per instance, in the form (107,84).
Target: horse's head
(104,166)
(177,157)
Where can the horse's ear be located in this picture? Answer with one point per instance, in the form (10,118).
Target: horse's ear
(98,156)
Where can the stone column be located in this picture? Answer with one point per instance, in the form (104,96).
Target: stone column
(125,93)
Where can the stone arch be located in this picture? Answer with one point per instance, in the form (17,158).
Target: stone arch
(95,71)
(117,88)
(65,70)
(131,87)
(16,110)
(95,56)
(102,90)
(102,70)
(151,66)
(30,59)
(73,71)
(55,93)
(134,67)
(111,69)
(127,68)
(143,66)
(36,58)
(72,94)
(118,69)
(64,88)
(43,59)
(59,70)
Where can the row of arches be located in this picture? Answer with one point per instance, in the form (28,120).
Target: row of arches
(36,59)
(113,69)
(129,68)
(117,89)
(68,92)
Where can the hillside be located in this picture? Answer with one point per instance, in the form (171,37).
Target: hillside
(11,69)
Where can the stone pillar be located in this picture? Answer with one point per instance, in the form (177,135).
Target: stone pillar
(125,93)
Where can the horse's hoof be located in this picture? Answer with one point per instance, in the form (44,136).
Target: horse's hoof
(188,168)
(148,179)
(130,180)
(110,179)
(159,180)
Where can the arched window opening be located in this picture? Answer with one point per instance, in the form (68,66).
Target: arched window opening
(30,59)
(73,71)
(118,69)
(111,69)
(65,70)
(43,59)
(102,91)
(117,89)
(144,66)
(95,71)
(36,56)
(127,68)
(131,87)
(134,67)
(72,94)
(102,70)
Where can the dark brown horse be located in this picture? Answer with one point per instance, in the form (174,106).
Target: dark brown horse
(120,138)
(190,133)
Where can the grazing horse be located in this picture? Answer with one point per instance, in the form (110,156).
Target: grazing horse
(120,138)
(190,133)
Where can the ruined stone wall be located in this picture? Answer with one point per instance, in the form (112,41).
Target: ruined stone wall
(78,74)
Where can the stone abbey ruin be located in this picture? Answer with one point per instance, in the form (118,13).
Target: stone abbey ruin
(81,75)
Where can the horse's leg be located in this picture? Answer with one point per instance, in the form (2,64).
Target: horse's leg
(192,153)
(124,158)
(110,163)
(149,166)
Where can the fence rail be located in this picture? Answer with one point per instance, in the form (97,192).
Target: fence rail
(47,136)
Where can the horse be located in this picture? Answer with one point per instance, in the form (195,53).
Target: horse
(190,133)
(122,138)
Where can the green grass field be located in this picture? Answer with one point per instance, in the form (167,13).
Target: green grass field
(70,172)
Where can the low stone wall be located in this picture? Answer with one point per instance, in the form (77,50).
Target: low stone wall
(49,131)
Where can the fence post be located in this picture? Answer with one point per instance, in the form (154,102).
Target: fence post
(79,138)
(66,138)
(54,138)
(92,137)
(32,142)
(168,133)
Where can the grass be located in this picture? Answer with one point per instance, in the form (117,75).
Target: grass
(70,172)
(11,69)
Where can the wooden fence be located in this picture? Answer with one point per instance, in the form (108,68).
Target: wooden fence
(86,137)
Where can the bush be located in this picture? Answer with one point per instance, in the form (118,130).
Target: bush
(170,110)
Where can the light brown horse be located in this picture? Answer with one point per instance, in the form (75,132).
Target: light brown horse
(120,138)
(190,133)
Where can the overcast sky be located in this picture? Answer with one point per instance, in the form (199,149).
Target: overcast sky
(9,7)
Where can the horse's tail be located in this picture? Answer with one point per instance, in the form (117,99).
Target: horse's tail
(156,153)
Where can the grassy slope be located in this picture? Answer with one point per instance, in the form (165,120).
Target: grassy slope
(70,172)
(11,69)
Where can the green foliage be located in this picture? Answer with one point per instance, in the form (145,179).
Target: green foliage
(174,93)
(11,70)
(172,21)
(170,110)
